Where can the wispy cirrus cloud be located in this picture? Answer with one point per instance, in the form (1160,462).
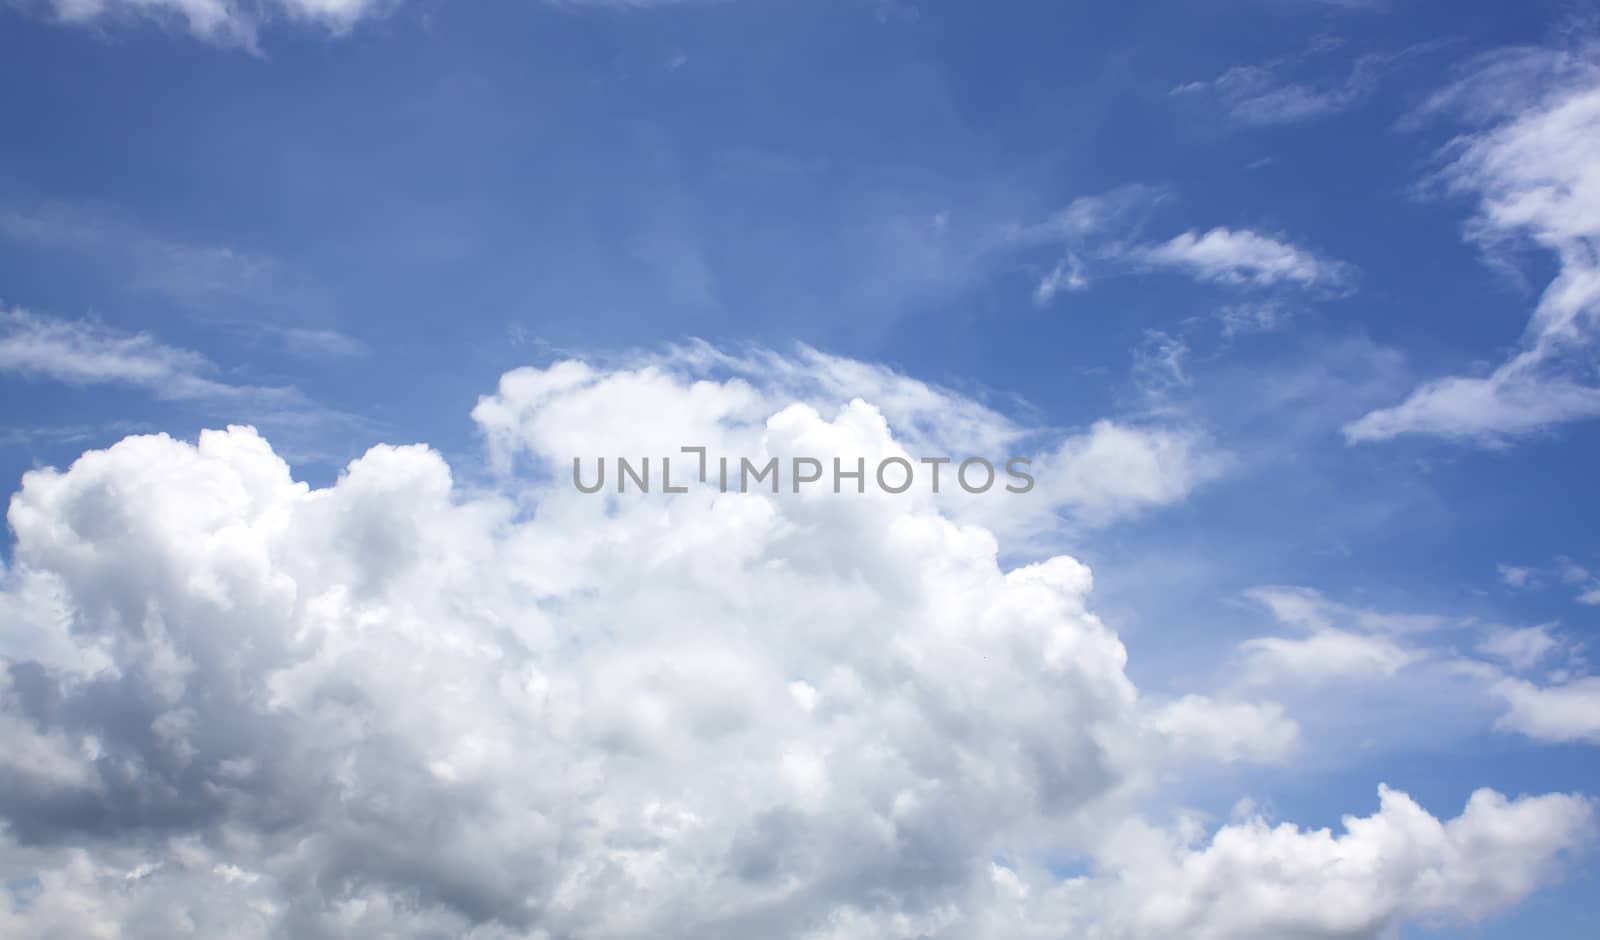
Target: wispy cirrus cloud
(190,273)
(87,352)
(222,284)
(1239,319)
(1534,172)
(1259,95)
(1105,234)
(1296,88)
(1081,233)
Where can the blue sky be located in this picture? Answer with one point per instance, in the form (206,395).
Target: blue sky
(1267,230)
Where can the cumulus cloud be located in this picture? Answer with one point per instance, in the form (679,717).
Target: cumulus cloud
(742,404)
(406,705)
(1258,880)
(1534,173)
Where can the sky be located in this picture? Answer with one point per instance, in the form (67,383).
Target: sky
(306,307)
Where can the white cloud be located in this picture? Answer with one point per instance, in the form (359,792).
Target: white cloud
(1565,571)
(1246,318)
(1257,880)
(1517,576)
(1227,731)
(1568,711)
(197,275)
(224,21)
(1518,398)
(1587,584)
(1328,649)
(36,347)
(237,22)
(85,352)
(225,285)
(1242,256)
(309,341)
(1081,231)
(1160,365)
(1523,648)
(1251,880)
(1343,644)
(1326,655)
(1092,216)
(235,705)
(1308,609)
(1338,643)
(1093,477)
(1536,177)
(1296,88)
(1069,274)
(1115,470)
(1259,95)
(1102,233)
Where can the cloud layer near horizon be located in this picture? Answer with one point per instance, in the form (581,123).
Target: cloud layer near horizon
(237,706)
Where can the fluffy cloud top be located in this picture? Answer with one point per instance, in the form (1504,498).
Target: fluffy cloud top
(233,705)
(1258,880)
(760,404)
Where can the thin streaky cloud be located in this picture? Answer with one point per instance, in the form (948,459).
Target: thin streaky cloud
(86,352)
(1297,88)
(1535,176)
(194,274)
